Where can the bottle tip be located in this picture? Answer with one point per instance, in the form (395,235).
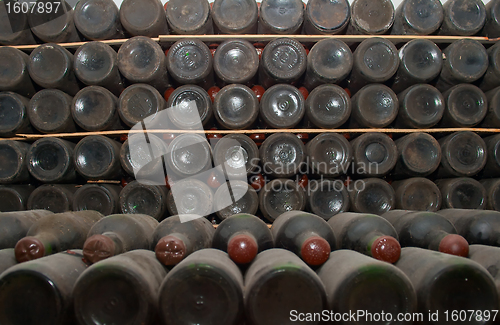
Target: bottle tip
(242,249)
(98,248)
(29,248)
(170,250)
(454,245)
(387,249)
(315,251)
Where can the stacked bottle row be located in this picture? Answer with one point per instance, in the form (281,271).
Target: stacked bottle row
(232,270)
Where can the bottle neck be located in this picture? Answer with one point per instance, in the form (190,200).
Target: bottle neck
(118,241)
(51,244)
(435,237)
(366,242)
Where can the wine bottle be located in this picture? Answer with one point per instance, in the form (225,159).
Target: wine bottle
(242,236)
(326,17)
(13,167)
(371,17)
(142,163)
(478,227)
(142,198)
(235,16)
(329,62)
(282,154)
(236,62)
(421,106)
(180,107)
(327,106)
(419,154)
(374,154)
(96,65)
(14,75)
(50,160)
(235,152)
(492,167)
(120,289)
(15,29)
(235,197)
(462,193)
(327,198)
(98,20)
(418,194)
(207,287)
(279,196)
(236,107)
(329,154)
(422,17)
(191,196)
(282,106)
(489,258)
(139,101)
(427,230)
(145,18)
(290,280)
(492,187)
(94,108)
(374,106)
(463,17)
(305,234)
(40,291)
(188,155)
(7,259)
(117,234)
(13,109)
(49,111)
(98,157)
(492,25)
(178,236)
(371,195)
(56,198)
(15,225)
(15,197)
(466,106)
(103,198)
(55,233)
(191,17)
(491,78)
(278,17)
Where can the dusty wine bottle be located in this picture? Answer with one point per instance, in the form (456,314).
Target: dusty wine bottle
(463,17)
(13,166)
(178,236)
(327,198)
(14,75)
(143,163)
(375,60)
(421,62)
(55,198)
(427,230)
(117,234)
(279,196)
(188,155)
(14,27)
(236,107)
(235,16)
(191,17)
(374,106)
(7,259)
(15,197)
(491,78)
(180,107)
(55,25)
(290,280)
(462,193)
(419,154)
(326,17)
(329,154)
(242,236)
(284,60)
(55,233)
(492,167)
(492,25)
(420,106)
(15,225)
(371,17)
(190,196)
(329,62)
(40,291)
(466,106)
(366,233)
(282,106)
(282,155)
(418,17)
(144,199)
(236,62)
(327,106)
(487,257)
(206,278)
(280,17)
(371,195)
(102,198)
(492,187)
(141,60)
(139,101)
(98,20)
(374,154)
(236,151)
(13,110)
(49,111)
(94,108)
(50,160)
(235,197)
(417,194)
(97,157)
(143,18)
(96,65)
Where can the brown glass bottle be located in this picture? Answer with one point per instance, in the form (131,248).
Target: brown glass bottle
(143,18)
(141,60)
(207,278)
(13,167)
(418,17)
(282,155)
(191,196)
(176,237)
(418,194)
(327,106)
(97,157)
(15,225)
(288,68)
(139,101)
(326,17)
(142,164)
(466,106)
(492,187)
(13,110)
(492,25)
(227,151)
(55,198)
(492,167)
(421,106)
(374,154)
(15,197)
(102,198)
(368,234)
(14,75)
(374,106)
(329,154)
(419,154)
(235,16)
(371,195)
(279,196)
(53,26)
(375,61)
(56,233)
(144,199)
(289,279)
(427,230)
(7,259)
(236,62)
(280,17)
(179,107)
(462,193)
(327,198)
(235,197)
(94,108)
(49,111)
(487,257)
(14,29)
(120,289)
(236,107)
(189,17)
(463,17)
(40,291)
(98,19)
(371,17)
(50,160)
(446,274)
(478,227)
(96,65)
